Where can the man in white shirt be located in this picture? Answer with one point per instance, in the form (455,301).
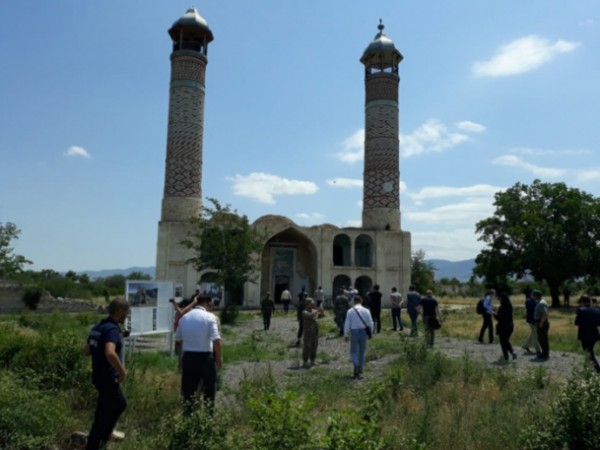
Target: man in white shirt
(202,353)
(286,298)
(357,320)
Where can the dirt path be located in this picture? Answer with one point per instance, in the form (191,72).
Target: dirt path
(333,354)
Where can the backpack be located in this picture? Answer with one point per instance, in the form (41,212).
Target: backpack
(479,308)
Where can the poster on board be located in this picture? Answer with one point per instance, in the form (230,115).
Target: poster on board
(151,311)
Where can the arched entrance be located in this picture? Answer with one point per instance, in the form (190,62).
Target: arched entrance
(339,282)
(363,285)
(288,260)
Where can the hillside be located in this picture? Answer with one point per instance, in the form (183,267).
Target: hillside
(461,270)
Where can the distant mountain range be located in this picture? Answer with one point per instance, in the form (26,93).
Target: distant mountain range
(151,271)
(461,270)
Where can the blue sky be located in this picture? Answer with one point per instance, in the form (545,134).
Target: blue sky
(491,93)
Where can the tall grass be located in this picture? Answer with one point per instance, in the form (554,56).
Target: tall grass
(423,400)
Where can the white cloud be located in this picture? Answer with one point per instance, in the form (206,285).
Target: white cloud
(432,136)
(353,148)
(354,223)
(264,187)
(470,211)
(76,151)
(589,175)
(515,161)
(522,55)
(311,218)
(433,192)
(345,182)
(403,187)
(544,152)
(587,23)
(473,127)
(454,245)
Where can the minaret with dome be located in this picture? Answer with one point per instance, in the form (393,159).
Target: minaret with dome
(381,177)
(182,195)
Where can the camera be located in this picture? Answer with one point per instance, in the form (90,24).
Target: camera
(126,333)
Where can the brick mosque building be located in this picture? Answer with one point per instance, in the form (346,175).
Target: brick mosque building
(293,256)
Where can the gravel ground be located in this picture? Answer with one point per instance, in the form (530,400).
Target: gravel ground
(333,354)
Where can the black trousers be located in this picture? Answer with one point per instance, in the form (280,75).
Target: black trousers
(505,343)
(588,346)
(267,320)
(111,404)
(376,316)
(487,324)
(198,367)
(543,338)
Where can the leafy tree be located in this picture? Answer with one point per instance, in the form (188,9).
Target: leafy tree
(138,276)
(227,243)
(545,230)
(422,272)
(10,264)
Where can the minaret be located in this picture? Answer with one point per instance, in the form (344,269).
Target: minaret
(182,197)
(381,176)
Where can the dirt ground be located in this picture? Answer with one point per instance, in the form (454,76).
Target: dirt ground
(333,354)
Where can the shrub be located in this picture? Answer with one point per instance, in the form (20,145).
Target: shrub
(229,314)
(55,360)
(29,419)
(280,421)
(201,430)
(10,344)
(32,297)
(575,417)
(349,431)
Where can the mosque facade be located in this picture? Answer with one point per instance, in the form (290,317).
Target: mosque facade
(293,256)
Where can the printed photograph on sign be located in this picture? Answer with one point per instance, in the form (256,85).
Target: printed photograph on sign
(142,293)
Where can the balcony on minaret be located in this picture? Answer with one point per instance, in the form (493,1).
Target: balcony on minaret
(191,33)
(381,55)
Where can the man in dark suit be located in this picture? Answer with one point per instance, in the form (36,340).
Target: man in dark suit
(587,321)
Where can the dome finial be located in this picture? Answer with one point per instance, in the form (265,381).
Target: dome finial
(381,26)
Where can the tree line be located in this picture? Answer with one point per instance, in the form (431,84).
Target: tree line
(543,234)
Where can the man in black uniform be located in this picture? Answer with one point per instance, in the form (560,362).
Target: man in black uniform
(375,307)
(104,345)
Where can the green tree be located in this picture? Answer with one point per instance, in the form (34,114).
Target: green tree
(544,230)
(138,276)
(11,265)
(227,243)
(422,272)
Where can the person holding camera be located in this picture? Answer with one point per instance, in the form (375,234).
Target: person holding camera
(311,332)
(202,356)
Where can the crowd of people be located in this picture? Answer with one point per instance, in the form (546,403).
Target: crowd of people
(199,348)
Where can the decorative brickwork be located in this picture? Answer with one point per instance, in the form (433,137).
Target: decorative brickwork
(191,67)
(382,87)
(183,175)
(381,175)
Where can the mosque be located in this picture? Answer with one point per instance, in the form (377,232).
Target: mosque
(378,252)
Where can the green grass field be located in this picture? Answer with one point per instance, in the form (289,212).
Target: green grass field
(423,400)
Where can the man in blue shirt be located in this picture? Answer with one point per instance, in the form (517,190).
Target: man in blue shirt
(487,315)
(104,345)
